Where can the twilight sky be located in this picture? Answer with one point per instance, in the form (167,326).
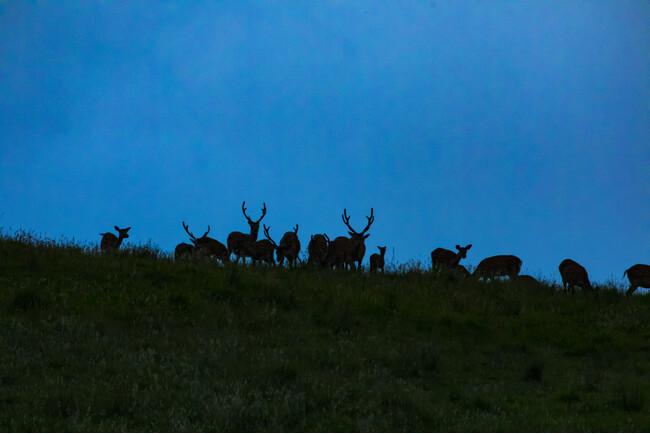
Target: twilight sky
(522,127)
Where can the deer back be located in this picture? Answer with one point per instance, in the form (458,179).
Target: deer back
(574,274)
(183,249)
(317,249)
(339,251)
(639,275)
(500,265)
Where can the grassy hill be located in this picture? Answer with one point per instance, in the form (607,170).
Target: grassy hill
(135,342)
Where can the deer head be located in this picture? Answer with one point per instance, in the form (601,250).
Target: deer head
(254,224)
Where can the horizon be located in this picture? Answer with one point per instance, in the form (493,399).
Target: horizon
(519,128)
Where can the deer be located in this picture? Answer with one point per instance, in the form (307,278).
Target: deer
(500,265)
(262,251)
(239,243)
(289,245)
(317,249)
(377,259)
(357,245)
(446,258)
(183,250)
(638,275)
(462,271)
(111,242)
(206,245)
(526,280)
(574,274)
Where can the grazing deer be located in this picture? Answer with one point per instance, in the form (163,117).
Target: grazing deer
(357,246)
(338,253)
(462,271)
(262,251)
(377,260)
(527,281)
(446,258)
(183,250)
(289,245)
(639,275)
(207,246)
(500,265)
(574,274)
(238,242)
(317,249)
(111,242)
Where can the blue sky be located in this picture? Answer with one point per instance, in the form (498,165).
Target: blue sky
(521,127)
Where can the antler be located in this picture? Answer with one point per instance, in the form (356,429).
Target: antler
(268,237)
(206,232)
(192,237)
(296,229)
(346,220)
(243,208)
(327,238)
(263,213)
(371,219)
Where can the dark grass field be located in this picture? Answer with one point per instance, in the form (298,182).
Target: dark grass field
(132,341)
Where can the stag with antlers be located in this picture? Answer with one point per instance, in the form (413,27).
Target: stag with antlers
(349,251)
(289,246)
(111,242)
(205,246)
(240,243)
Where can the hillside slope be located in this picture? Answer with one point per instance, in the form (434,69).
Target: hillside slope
(134,342)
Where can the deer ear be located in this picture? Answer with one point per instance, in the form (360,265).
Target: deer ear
(469,246)
(128,229)
(366,236)
(457,247)
(116,228)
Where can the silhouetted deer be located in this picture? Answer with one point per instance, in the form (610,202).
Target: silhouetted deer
(574,274)
(527,281)
(462,271)
(500,265)
(358,246)
(207,246)
(111,242)
(289,246)
(377,259)
(262,251)
(639,275)
(183,250)
(239,243)
(446,258)
(317,249)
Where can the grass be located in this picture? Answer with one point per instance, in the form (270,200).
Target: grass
(132,341)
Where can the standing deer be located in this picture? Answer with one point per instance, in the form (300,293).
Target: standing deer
(111,242)
(639,275)
(207,246)
(358,246)
(574,274)
(377,260)
(239,243)
(317,249)
(446,258)
(500,265)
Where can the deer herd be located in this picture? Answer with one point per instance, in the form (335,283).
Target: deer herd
(348,253)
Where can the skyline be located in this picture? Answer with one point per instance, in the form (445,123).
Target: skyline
(518,128)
